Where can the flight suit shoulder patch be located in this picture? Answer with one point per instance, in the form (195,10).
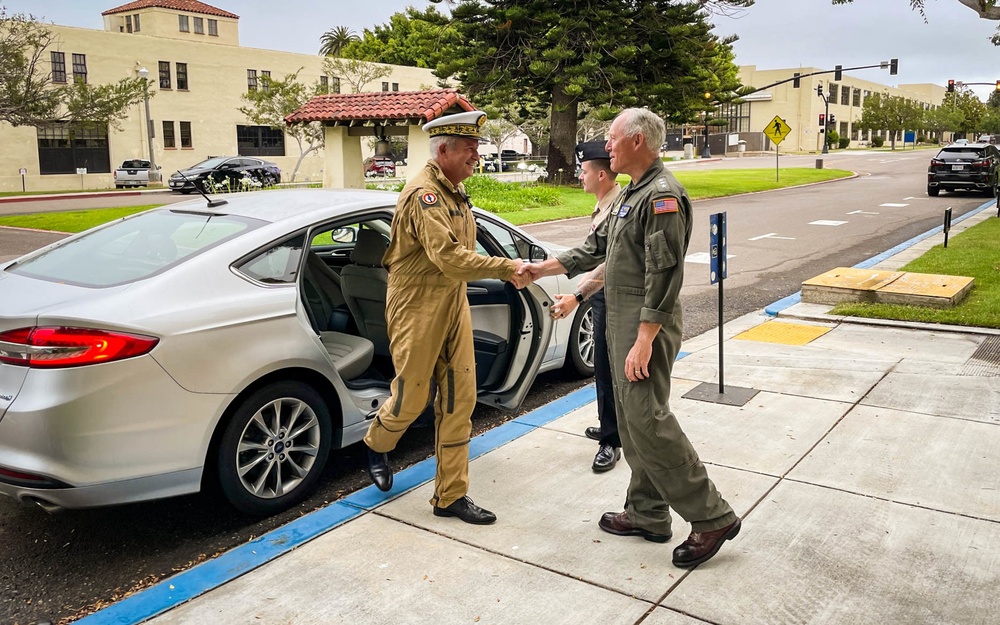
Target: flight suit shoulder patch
(428,199)
(662,184)
(664,205)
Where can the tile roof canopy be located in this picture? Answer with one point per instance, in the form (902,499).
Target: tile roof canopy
(189,6)
(407,106)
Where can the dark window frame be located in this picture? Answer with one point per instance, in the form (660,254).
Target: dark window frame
(260,141)
(213,28)
(845,95)
(164,73)
(58,61)
(385,86)
(169,138)
(251,80)
(65,147)
(199,25)
(395,86)
(128,23)
(324,84)
(187,141)
(183,24)
(80,68)
(182,76)
(135,23)
(335,84)
(265,84)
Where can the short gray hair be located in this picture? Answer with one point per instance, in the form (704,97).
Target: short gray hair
(435,143)
(648,124)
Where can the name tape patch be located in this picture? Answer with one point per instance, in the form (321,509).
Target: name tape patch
(666,205)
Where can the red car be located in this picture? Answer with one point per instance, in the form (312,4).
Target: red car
(380,166)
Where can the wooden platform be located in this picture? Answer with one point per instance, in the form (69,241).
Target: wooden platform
(847,284)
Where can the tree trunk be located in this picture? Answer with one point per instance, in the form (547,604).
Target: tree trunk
(562,137)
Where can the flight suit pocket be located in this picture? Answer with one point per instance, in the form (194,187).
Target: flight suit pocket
(659,256)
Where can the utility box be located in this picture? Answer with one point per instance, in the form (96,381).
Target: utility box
(819,163)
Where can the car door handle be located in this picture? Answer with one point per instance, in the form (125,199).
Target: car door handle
(476,290)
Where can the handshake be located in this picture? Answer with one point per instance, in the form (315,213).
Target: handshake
(526,273)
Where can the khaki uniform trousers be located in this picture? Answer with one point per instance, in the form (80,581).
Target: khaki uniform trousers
(430,336)
(666,470)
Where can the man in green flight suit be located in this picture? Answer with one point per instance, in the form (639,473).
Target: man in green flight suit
(431,256)
(643,243)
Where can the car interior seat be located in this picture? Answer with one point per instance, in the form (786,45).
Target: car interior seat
(364,284)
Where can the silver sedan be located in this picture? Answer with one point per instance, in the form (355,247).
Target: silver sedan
(235,344)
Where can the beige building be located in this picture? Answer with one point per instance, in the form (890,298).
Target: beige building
(801,107)
(197,72)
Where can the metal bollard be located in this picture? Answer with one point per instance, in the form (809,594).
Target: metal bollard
(819,163)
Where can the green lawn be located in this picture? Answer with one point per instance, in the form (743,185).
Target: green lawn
(974,253)
(517,203)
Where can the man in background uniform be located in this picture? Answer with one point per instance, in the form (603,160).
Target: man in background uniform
(643,243)
(431,256)
(597,178)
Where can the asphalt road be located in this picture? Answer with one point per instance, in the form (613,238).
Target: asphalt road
(58,567)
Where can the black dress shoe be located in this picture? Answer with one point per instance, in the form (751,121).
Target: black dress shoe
(701,546)
(593,433)
(467,511)
(606,458)
(378,470)
(618,523)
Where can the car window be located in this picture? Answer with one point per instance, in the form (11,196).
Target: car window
(513,245)
(134,248)
(342,236)
(276,265)
(210,163)
(960,153)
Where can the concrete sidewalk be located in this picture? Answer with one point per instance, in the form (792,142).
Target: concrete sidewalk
(864,469)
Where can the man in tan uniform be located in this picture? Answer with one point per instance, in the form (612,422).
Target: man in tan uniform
(431,256)
(643,243)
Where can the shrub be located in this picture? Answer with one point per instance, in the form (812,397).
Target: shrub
(832,137)
(921,139)
(877,141)
(844,142)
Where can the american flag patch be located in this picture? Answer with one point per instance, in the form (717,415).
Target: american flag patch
(666,205)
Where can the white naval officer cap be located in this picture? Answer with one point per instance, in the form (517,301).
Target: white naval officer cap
(458,125)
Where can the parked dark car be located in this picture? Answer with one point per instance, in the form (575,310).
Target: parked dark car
(226,173)
(964,167)
(492,165)
(380,166)
(512,155)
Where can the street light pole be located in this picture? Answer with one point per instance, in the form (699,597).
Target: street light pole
(707,151)
(826,119)
(154,173)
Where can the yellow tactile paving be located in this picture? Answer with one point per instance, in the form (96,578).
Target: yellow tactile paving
(784,333)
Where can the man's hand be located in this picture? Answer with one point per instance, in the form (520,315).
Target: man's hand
(529,272)
(637,361)
(563,306)
(519,281)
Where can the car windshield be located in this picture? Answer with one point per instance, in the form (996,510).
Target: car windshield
(135,164)
(954,154)
(210,163)
(134,248)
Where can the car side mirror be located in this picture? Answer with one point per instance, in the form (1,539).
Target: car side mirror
(536,253)
(343,235)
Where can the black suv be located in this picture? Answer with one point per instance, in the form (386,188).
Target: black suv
(967,167)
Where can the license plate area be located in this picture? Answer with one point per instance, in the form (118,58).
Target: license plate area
(957,167)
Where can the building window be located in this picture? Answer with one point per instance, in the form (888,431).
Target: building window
(164,74)
(395,86)
(324,84)
(135,22)
(335,84)
(856,101)
(63,148)
(80,68)
(260,141)
(385,86)
(265,83)
(182,23)
(58,66)
(738,116)
(845,95)
(199,26)
(169,140)
(128,23)
(251,80)
(186,135)
(213,28)
(182,76)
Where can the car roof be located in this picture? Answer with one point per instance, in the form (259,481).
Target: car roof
(291,204)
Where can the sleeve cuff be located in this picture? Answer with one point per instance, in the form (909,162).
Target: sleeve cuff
(651,315)
(569,262)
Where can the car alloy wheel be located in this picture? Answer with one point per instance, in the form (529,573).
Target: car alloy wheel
(581,341)
(274,448)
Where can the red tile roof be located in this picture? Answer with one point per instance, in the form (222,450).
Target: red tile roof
(409,106)
(190,6)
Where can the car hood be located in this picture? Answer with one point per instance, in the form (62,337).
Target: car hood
(25,300)
(191,171)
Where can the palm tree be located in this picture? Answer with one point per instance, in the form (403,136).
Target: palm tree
(333,41)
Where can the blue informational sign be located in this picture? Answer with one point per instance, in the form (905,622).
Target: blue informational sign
(909,136)
(717,246)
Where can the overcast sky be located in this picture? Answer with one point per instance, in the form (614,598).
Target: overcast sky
(954,43)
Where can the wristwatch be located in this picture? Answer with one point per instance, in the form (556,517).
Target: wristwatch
(579,297)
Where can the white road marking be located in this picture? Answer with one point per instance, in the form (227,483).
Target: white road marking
(771,235)
(891,205)
(702,258)
(861,213)
(827,222)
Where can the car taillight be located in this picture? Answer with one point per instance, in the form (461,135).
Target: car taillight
(981,164)
(52,347)
(936,161)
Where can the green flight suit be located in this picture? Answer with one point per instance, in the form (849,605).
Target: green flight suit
(431,255)
(643,243)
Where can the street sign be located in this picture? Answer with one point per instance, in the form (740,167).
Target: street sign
(23,171)
(777,130)
(81,170)
(717,246)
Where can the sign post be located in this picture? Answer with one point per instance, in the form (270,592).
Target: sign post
(24,172)
(83,172)
(777,129)
(947,225)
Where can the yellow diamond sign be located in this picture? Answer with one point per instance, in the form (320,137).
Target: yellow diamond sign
(777,130)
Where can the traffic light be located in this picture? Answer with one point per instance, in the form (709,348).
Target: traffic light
(819,90)
(822,120)
(795,81)
(838,74)
(951,86)
(893,66)
(833,119)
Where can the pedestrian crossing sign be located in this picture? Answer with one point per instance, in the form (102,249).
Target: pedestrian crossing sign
(777,129)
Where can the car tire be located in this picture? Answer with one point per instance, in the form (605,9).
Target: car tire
(933,192)
(256,472)
(580,351)
(186,191)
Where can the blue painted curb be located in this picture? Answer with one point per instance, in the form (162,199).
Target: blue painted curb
(796,297)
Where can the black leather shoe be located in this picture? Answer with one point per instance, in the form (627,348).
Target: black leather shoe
(701,546)
(618,523)
(379,471)
(467,511)
(593,433)
(606,458)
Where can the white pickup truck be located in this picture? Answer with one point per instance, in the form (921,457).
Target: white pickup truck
(132,173)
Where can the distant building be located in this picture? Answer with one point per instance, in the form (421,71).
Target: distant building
(197,72)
